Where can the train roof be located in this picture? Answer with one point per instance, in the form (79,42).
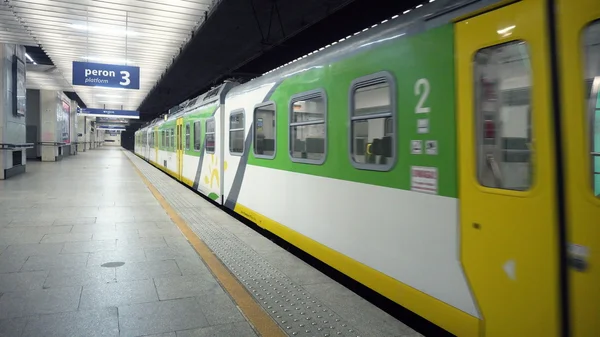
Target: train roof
(433,14)
(215,95)
(427,16)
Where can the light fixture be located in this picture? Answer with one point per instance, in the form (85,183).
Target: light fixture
(109,96)
(105,59)
(107,30)
(29,58)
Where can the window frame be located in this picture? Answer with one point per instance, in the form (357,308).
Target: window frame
(590,110)
(173,139)
(393,115)
(479,129)
(193,135)
(206,133)
(298,97)
(241,111)
(188,136)
(258,106)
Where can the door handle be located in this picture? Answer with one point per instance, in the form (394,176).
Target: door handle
(577,257)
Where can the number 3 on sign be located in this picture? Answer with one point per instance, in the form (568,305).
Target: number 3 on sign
(424,84)
(125,76)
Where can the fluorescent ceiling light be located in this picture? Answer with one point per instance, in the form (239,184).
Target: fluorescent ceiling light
(108,30)
(109,101)
(110,96)
(29,58)
(105,59)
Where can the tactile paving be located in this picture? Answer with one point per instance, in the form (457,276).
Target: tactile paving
(289,304)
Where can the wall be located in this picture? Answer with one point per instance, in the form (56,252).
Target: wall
(12,128)
(112,140)
(128,140)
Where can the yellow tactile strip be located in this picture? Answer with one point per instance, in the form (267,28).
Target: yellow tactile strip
(260,320)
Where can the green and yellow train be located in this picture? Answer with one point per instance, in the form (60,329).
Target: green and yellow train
(448,159)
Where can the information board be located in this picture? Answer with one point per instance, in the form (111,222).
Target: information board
(106,75)
(132,114)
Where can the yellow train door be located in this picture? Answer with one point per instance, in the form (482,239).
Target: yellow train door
(578,33)
(508,204)
(179,147)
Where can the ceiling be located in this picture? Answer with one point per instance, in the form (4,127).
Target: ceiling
(143,33)
(46,77)
(249,37)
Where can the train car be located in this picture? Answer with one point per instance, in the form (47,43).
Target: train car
(448,159)
(186,146)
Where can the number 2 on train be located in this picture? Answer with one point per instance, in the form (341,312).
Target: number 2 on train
(422,82)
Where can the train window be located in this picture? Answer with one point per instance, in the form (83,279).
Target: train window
(264,131)
(502,76)
(187,136)
(197,135)
(209,141)
(308,127)
(372,127)
(591,39)
(236,132)
(173,139)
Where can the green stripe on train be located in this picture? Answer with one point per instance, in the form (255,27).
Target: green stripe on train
(201,114)
(427,56)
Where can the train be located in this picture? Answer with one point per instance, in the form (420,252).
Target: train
(447,158)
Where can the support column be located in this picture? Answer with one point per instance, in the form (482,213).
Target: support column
(33,123)
(81,131)
(73,127)
(55,116)
(12,109)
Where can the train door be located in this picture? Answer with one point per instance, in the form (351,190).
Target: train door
(578,32)
(507,190)
(179,147)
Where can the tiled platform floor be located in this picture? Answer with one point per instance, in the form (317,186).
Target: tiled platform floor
(86,250)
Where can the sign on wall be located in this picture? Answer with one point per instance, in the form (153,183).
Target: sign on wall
(106,75)
(19,87)
(132,114)
(63,122)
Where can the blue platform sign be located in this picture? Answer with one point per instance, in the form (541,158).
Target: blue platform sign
(132,114)
(106,75)
(111,127)
(112,120)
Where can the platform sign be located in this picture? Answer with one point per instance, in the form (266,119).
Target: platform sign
(111,127)
(131,114)
(112,120)
(106,75)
